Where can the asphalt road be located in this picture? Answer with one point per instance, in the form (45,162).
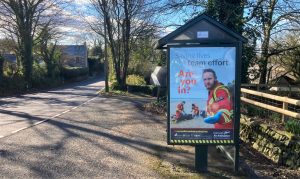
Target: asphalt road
(100,137)
(104,138)
(20,112)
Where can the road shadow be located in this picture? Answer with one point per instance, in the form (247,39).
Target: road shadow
(119,123)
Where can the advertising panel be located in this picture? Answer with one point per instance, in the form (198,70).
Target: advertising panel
(201,95)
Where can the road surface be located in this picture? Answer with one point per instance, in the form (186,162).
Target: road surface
(104,138)
(100,137)
(20,112)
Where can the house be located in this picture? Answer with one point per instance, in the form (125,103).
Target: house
(74,55)
(285,79)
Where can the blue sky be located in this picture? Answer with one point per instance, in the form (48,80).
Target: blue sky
(76,30)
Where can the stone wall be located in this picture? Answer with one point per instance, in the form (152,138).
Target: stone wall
(281,147)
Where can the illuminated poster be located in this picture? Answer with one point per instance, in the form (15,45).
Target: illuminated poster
(202,82)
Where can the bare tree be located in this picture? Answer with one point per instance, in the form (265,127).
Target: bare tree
(46,47)
(271,18)
(289,60)
(263,19)
(126,22)
(21,20)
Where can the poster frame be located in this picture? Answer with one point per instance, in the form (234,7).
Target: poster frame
(238,47)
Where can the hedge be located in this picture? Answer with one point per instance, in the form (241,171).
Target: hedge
(74,72)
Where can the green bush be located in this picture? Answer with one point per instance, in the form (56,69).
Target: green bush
(95,65)
(41,80)
(12,84)
(114,85)
(39,74)
(135,80)
(251,111)
(146,89)
(275,117)
(293,126)
(74,72)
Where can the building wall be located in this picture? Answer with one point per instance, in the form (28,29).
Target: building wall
(74,56)
(74,61)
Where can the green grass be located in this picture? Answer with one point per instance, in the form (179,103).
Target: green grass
(293,126)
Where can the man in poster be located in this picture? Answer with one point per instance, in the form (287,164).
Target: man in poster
(219,102)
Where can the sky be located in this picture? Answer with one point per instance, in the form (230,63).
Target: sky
(76,31)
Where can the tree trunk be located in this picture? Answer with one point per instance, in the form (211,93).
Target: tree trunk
(267,27)
(112,43)
(264,57)
(1,68)
(126,39)
(27,60)
(263,70)
(50,68)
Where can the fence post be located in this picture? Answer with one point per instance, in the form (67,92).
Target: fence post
(284,106)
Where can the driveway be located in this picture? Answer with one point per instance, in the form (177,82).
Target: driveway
(20,112)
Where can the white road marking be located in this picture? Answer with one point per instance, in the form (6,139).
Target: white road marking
(65,112)
(37,123)
(13,132)
(55,116)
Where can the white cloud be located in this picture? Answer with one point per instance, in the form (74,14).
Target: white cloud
(81,2)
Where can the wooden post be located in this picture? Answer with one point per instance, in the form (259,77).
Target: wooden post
(236,158)
(285,107)
(158,93)
(201,152)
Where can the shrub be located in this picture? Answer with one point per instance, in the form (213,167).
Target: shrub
(114,85)
(275,116)
(135,80)
(293,126)
(13,84)
(146,89)
(74,72)
(159,107)
(41,80)
(95,66)
(251,111)
(39,74)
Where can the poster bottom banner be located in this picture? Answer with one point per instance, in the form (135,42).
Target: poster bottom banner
(197,136)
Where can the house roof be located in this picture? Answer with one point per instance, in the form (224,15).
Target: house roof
(75,50)
(285,78)
(10,58)
(202,17)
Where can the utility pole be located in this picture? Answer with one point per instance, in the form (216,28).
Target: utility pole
(105,56)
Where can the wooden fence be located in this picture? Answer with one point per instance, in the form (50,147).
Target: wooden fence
(259,87)
(284,110)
